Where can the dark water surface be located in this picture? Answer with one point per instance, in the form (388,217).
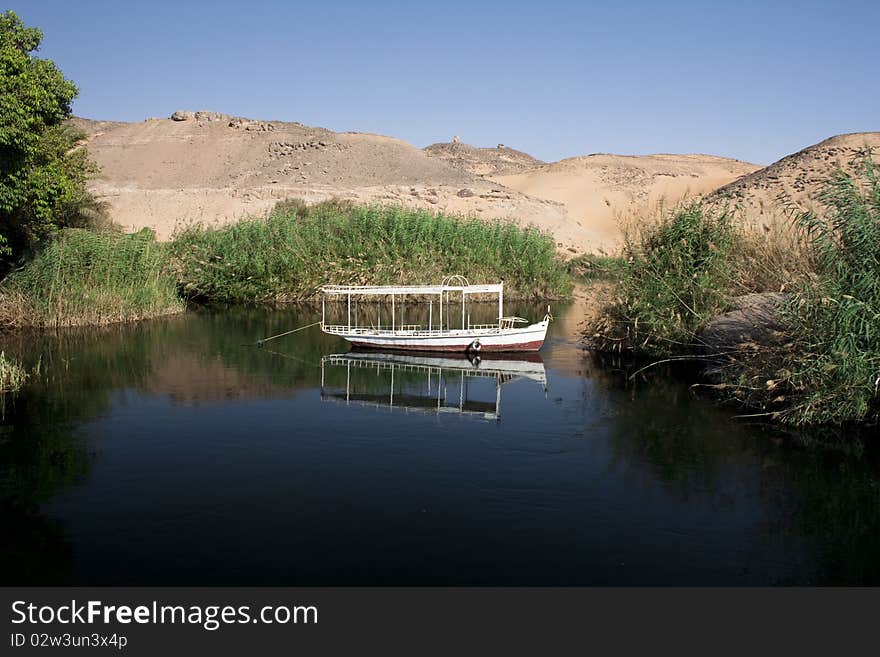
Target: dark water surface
(168,453)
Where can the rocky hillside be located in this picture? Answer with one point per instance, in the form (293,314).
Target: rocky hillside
(796,178)
(214,168)
(501,160)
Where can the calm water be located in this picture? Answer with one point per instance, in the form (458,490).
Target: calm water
(168,453)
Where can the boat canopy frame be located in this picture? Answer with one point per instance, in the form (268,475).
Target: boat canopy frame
(450,284)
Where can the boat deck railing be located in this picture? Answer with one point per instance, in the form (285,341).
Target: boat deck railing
(411,330)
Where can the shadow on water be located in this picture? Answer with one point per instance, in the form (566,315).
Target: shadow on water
(169,453)
(821,506)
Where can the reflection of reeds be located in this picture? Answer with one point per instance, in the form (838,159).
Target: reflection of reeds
(12,374)
(286,256)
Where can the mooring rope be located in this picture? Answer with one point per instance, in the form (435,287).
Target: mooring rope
(259,343)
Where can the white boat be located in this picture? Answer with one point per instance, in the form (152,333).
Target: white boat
(444,331)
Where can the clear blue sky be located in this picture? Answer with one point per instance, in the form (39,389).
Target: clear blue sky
(752,80)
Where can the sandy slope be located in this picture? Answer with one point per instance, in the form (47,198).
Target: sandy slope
(601,191)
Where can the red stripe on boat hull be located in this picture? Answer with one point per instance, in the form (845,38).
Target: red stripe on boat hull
(516,346)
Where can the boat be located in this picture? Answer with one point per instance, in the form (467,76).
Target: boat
(445,330)
(439,384)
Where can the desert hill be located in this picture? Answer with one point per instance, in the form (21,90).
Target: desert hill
(214,168)
(797,177)
(501,160)
(600,191)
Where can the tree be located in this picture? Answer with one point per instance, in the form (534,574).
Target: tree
(42,172)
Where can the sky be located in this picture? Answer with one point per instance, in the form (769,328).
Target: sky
(750,80)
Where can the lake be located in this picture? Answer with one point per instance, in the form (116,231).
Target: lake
(170,453)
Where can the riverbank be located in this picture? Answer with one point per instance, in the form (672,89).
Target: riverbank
(85,277)
(785,319)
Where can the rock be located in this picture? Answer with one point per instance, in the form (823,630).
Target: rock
(465,193)
(186,115)
(244,124)
(755,320)
(210,116)
(456,139)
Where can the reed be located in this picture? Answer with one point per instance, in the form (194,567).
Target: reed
(594,267)
(833,374)
(288,255)
(675,274)
(84,277)
(688,267)
(773,257)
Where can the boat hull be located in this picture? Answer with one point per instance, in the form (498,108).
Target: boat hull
(458,348)
(530,338)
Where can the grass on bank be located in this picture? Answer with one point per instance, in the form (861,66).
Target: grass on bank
(690,265)
(288,255)
(84,277)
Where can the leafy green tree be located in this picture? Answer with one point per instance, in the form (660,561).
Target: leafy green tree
(42,172)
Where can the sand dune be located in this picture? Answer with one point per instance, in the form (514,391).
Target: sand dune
(601,191)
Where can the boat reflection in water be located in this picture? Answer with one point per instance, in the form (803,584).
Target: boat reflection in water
(426,383)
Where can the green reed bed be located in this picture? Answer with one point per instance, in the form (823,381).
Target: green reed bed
(833,374)
(823,369)
(288,255)
(83,277)
(674,275)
